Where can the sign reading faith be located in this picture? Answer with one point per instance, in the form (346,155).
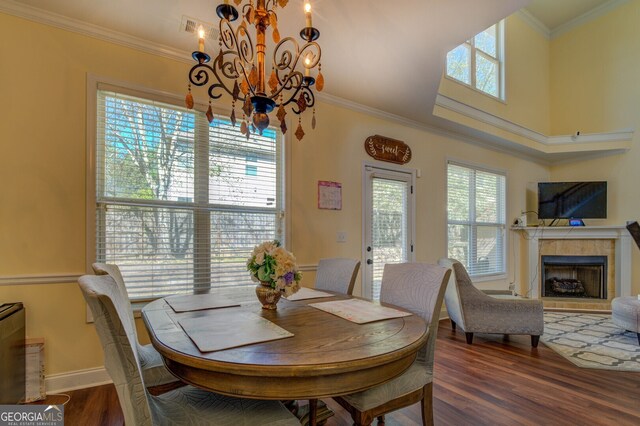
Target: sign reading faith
(387,149)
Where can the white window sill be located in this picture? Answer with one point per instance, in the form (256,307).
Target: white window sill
(485,278)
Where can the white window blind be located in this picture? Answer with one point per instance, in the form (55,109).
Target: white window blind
(390,239)
(476,219)
(176,209)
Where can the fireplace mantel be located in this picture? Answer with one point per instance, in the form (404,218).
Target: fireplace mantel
(619,234)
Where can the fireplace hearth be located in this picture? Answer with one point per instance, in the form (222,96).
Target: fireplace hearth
(574,276)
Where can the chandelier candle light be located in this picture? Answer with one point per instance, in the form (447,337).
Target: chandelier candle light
(239,70)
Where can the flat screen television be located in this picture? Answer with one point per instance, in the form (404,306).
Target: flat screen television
(566,200)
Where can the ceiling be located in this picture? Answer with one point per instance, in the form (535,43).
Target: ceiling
(375,53)
(554,13)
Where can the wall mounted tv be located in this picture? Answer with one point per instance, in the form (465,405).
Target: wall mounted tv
(566,200)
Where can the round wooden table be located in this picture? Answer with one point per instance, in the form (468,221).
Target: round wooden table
(327,356)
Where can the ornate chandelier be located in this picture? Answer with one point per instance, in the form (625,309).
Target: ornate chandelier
(239,69)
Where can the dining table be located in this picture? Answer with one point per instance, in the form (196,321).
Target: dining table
(323,355)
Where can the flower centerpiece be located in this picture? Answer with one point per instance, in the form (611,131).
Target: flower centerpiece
(276,270)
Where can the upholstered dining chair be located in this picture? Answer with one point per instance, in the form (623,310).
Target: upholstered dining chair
(419,288)
(183,406)
(476,312)
(156,377)
(337,274)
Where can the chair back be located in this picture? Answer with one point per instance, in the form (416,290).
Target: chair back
(451,295)
(114,272)
(117,335)
(337,274)
(419,288)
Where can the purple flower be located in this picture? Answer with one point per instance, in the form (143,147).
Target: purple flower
(288,277)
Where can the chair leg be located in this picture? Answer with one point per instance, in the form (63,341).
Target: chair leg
(453,325)
(536,339)
(381,420)
(469,337)
(638,334)
(427,405)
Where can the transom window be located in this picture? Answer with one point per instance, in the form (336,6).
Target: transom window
(476,219)
(478,62)
(180,202)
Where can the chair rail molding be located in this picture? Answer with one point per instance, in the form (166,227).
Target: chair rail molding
(40,279)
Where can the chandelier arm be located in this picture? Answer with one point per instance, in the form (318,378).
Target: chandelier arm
(293,81)
(239,65)
(270,5)
(286,58)
(309,98)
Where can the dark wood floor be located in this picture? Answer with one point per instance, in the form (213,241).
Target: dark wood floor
(492,382)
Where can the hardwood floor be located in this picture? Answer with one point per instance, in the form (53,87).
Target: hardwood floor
(492,382)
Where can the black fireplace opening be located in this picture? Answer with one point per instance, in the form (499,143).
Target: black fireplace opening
(574,276)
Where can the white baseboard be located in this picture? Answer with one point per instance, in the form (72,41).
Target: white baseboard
(79,379)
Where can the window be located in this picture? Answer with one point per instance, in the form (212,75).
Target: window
(251,169)
(175,208)
(478,62)
(476,219)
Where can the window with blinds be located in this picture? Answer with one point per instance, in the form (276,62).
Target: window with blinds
(476,219)
(180,203)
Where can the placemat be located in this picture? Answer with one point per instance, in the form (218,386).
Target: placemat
(218,330)
(359,311)
(198,302)
(308,293)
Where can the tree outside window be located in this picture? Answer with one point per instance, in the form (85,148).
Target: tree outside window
(478,62)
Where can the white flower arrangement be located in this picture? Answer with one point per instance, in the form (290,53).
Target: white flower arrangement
(273,265)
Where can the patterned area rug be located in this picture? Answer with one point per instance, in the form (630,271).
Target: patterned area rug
(591,341)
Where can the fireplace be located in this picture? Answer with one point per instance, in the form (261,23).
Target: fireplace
(574,276)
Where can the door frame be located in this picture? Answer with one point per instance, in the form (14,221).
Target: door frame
(413,173)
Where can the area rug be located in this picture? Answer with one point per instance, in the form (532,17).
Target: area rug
(591,341)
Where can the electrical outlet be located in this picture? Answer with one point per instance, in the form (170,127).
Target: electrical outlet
(341,237)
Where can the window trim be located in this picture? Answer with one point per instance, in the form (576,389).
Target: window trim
(479,167)
(96,83)
(500,50)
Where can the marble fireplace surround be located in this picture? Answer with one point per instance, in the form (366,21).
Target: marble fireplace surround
(544,236)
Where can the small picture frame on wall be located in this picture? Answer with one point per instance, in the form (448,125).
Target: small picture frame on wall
(329,195)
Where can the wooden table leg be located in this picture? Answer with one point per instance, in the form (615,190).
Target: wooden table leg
(317,409)
(313,412)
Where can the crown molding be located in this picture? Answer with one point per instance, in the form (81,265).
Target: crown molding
(534,23)
(452,134)
(594,13)
(550,144)
(41,16)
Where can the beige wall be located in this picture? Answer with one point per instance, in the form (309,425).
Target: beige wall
(42,176)
(527,80)
(595,88)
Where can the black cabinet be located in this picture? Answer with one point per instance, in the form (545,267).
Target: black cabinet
(12,353)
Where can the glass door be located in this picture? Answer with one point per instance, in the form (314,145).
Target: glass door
(388,223)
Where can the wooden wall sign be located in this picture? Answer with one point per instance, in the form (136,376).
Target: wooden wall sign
(387,149)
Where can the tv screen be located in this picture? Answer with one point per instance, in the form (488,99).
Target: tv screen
(566,200)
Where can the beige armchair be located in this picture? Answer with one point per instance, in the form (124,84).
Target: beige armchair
(476,312)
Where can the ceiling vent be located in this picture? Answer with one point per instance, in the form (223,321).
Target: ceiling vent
(191,25)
